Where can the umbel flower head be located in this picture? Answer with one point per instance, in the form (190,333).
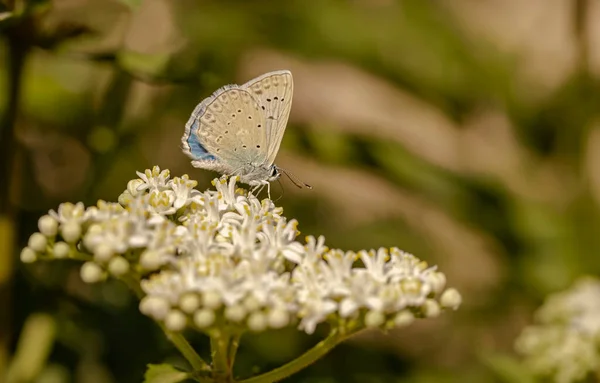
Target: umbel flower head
(223,258)
(564,342)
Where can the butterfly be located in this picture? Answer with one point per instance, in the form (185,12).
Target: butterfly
(237,131)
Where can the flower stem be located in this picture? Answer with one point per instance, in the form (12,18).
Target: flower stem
(178,340)
(219,346)
(188,352)
(306,359)
(234,343)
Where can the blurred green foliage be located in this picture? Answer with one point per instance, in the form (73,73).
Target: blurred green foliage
(106,88)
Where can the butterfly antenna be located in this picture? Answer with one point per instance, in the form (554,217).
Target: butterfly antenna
(299,184)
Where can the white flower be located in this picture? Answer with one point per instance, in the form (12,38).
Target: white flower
(314,310)
(376,264)
(136,187)
(153,180)
(554,351)
(579,307)
(564,342)
(337,270)
(280,239)
(162,202)
(200,240)
(229,194)
(182,189)
(360,293)
(224,257)
(104,211)
(68,212)
(118,234)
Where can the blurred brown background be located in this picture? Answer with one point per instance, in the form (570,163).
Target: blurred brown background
(464,131)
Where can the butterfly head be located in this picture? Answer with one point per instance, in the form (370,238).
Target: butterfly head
(259,175)
(274,173)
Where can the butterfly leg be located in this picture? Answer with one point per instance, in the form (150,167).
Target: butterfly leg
(254,189)
(259,186)
(268,189)
(262,187)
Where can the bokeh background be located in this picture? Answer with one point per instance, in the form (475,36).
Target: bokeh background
(464,131)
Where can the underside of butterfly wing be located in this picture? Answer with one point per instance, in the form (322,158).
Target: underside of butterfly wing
(226,132)
(273,92)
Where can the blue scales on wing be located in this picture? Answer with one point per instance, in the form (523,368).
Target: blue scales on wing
(196,149)
(226,132)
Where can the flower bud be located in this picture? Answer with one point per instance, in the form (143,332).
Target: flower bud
(251,303)
(278,318)
(235,313)
(61,250)
(125,198)
(48,226)
(37,242)
(71,231)
(374,319)
(212,300)
(257,321)
(103,252)
(175,320)
(431,308)
(118,266)
(204,318)
(132,187)
(437,281)
(91,272)
(150,260)
(155,307)
(28,255)
(451,298)
(189,303)
(404,318)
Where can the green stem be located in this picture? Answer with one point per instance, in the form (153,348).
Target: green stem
(219,346)
(178,340)
(232,351)
(306,359)
(76,255)
(186,349)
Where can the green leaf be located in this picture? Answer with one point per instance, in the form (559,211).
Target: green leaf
(164,373)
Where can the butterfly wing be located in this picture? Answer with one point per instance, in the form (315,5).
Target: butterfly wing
(226,131)
(273,91)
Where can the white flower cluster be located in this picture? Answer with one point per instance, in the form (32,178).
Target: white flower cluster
(564,343)
(224,258)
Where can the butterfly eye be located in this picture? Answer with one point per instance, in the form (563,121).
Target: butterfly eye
(274,171)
